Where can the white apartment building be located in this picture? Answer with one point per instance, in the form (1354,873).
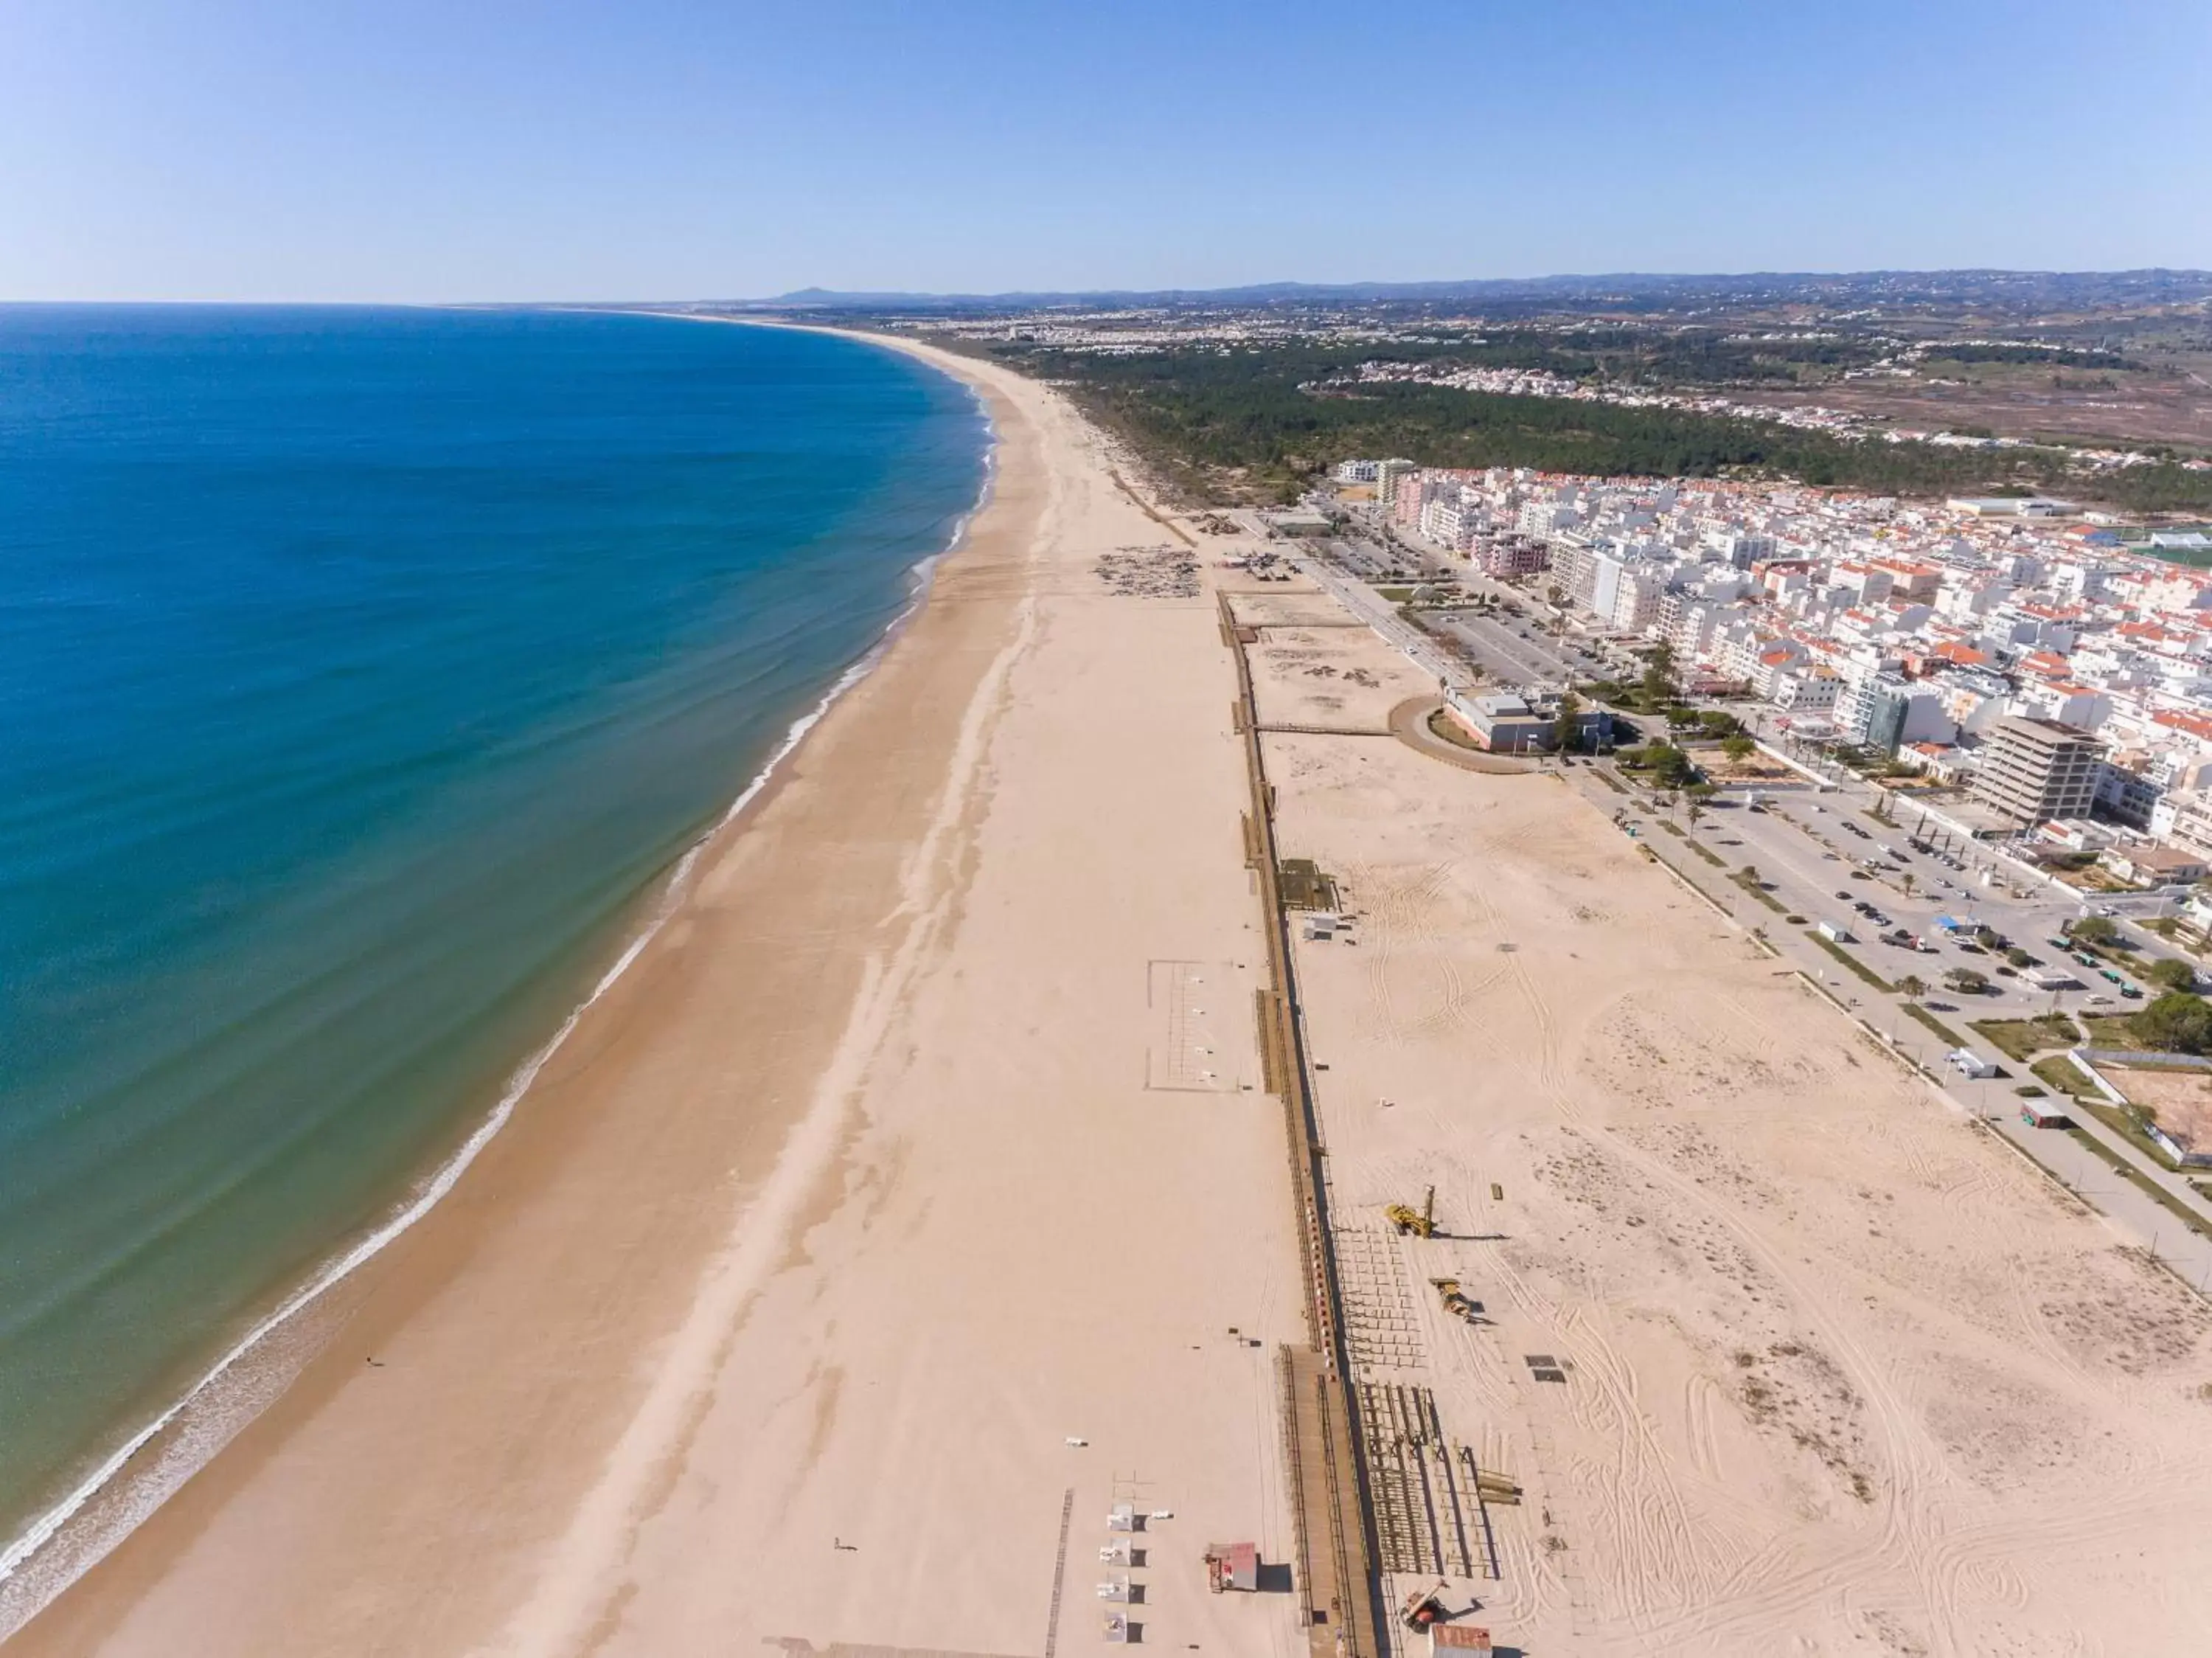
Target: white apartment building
(1636,598)
(1450,522)
(1806,690)
(2184,820)
(1386,474)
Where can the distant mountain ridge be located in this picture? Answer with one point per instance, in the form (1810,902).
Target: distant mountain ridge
(2009,288)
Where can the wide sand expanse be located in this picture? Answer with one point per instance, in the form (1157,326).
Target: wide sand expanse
(925,1142)
(1828,1369)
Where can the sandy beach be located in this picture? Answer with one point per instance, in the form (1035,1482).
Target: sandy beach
(925,1141)
(1787,1354)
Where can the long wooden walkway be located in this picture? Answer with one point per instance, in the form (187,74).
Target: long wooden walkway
(1337,1576)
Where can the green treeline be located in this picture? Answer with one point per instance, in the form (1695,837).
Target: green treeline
(2050,356)
(1201,413)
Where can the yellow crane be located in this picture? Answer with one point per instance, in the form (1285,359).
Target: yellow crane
(1421,1223)
(1455,1300)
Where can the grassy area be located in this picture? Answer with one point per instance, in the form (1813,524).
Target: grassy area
(1674,828)
(2108,1030)
(2122,1123)
(1760,893)
(1396,595)
(1706,853)
(2016,1039)
(1611,781)
(1950,1038)
(2060,1076)
(1850,960)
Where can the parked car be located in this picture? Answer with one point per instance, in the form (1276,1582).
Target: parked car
(2110,976)
(1846,897)
(2131,992)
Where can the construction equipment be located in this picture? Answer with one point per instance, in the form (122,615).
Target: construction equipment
(1424,1607)
(1496,1488)
(1421,1223)
(1455,1302)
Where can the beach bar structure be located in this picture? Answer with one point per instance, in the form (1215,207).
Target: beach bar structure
(1232,1566)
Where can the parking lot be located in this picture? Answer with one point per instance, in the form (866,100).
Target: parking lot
(1511,651)
(1826,858)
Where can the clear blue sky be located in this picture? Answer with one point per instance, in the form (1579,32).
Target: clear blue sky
(486,149)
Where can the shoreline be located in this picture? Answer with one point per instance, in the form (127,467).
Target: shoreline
(846,1252)
(111,1480)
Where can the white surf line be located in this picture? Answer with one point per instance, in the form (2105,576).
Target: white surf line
(48,1524)
(573,1581)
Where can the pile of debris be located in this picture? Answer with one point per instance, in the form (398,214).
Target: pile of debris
(1168,572)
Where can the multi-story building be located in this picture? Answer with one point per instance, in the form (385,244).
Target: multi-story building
(1636,598)
(2033,770)
(1449,522)
(1885,711)
(1806,690)
(2126,796)
(1507,556)
(2184,819)
(1947,627)
(1386,474)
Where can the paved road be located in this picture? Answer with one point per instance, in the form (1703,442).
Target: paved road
(1506,653)
(1372,607)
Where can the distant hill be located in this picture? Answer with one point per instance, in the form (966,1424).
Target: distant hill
(2008,290)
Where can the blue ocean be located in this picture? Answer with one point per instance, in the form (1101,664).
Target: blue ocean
(363,675)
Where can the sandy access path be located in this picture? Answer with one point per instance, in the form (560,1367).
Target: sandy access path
(925,1137)
(1831,1371)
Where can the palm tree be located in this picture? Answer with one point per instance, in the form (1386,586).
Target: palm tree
(1912,987)
(1906,880)
(1695,812)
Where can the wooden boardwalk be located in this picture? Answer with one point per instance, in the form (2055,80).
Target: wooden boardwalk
(1336,1572)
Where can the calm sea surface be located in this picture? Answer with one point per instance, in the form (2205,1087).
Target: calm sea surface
(361,672)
